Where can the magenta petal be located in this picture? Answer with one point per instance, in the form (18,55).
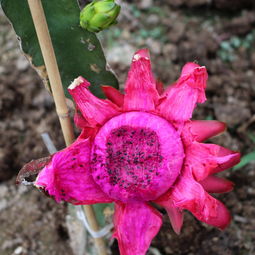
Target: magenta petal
(234,158)
(214,184)
(182,97)
(160,87)
(206,159)
(175,214)
(136,224)
(68,176)
(94,110)
(79,120)
(188,68)
(201,130)
(114,95)
(140,87)
(189,194)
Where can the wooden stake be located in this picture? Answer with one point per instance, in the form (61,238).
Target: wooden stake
(99,242)
(44,39)
(50,61)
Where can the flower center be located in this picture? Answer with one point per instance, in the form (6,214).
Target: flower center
(136,156)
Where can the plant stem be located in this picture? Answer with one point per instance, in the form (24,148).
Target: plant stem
(50,61)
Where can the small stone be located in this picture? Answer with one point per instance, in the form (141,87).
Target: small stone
(3,204)
(177,31)
(2,69)
(153,19)
(232,112)
(170,50)
(18,250)
(120,54)
(215,239)
(43,99)
(22,63)
(154,46)
(145,4)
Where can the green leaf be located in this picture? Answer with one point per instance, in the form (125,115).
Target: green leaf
(103,213)
(246,159)
(78,51)
(252,137)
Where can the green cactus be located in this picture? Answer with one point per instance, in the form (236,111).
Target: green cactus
(99,15)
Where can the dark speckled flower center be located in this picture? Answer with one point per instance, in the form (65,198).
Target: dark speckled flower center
(136,156)
(133,157)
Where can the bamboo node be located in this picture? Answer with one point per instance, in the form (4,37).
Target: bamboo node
(64,115)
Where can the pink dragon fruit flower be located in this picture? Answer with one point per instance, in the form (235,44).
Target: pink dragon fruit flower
(142,147)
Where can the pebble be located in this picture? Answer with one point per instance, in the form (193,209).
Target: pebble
(145,4)
(121,54)
(22,63)
(18,250)
(154,46)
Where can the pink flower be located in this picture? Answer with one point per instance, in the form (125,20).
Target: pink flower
(142,147)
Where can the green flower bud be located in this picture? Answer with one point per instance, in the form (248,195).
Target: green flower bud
(99,15)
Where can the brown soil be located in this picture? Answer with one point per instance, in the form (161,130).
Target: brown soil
(179,32)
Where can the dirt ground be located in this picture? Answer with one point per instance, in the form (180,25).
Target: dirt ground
(216,34)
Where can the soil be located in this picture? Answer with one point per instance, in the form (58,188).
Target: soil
(214,33)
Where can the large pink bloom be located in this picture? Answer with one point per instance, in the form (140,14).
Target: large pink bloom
(142,147)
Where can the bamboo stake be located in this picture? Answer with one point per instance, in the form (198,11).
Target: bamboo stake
(99,242)
(52,69)
(50,61)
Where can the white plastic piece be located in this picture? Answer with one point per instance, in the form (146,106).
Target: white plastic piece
(154,251)
(26,183)
(95,234)
(48,143)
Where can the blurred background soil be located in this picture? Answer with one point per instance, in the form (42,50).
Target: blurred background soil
(219,34)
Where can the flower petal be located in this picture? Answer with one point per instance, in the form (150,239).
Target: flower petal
(201,130)
(160,87)
(190,195)
(140,87)
(175,215)
(32,168)
(182,97)
(136,224)
(79,120)
(114,95)
(94,110)
(214,184)
(87,131)
(207,159)
(68,177)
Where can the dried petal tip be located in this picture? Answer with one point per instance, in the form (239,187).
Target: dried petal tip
(78,81)
(32,168)
(141,93)
(94,110)
(189,67)
(198,75)
(143,53)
